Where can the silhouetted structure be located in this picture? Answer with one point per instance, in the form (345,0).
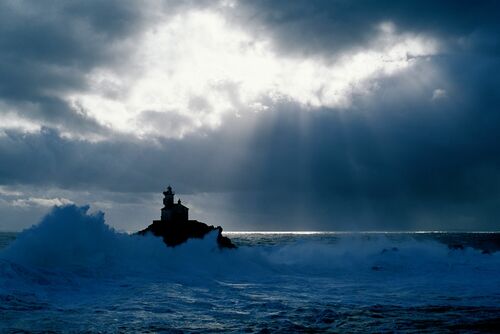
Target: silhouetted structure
(171,211)
(175,227)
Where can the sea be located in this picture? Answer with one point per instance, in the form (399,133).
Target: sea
(72,273)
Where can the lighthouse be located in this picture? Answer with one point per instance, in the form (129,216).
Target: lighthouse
(175,227)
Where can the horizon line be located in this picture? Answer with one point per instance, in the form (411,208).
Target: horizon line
(321,232)
(356,231)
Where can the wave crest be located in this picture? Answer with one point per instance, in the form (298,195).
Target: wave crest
(70,239)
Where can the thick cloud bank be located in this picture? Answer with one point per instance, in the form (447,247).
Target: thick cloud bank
(311,115)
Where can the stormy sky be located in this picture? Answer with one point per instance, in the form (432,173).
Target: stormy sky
(263,115)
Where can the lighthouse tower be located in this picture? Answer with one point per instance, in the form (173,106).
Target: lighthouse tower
(168,201)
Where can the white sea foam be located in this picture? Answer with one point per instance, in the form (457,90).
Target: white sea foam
(70,238)
(73,262)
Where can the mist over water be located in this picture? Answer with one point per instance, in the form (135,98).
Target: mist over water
(72,272)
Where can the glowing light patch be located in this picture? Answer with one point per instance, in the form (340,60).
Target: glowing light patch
(439,94)
(45,202)
(11,120)
(189,72)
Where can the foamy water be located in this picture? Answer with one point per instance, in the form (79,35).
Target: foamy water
(73,273)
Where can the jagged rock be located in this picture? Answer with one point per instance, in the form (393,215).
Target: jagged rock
(175,228)
(176,233)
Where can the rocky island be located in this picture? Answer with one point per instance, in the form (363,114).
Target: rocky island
(175,227)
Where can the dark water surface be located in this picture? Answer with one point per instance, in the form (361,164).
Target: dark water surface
(104,281)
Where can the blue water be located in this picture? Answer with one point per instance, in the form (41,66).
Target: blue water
(72,273)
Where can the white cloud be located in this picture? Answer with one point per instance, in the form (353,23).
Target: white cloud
(439,94)
(11,120)
(43,202)
(7,191)
(195,68)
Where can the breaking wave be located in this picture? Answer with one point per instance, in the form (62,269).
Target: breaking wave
(72,264)
(71,239)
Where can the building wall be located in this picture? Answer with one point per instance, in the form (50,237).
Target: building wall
(175,213)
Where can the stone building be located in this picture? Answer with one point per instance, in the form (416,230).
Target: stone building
(174,212)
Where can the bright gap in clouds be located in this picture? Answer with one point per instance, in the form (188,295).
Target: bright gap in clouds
(188,72)
(12,121)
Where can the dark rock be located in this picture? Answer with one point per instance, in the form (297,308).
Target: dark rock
(176,233)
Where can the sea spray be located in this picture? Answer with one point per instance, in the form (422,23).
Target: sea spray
(72,265)
(71,238)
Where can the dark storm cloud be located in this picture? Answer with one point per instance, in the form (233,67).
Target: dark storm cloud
(396,159)
(330,26)
(46,48)
(126,166)
(63,33)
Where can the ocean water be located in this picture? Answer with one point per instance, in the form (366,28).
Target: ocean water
(73,273)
